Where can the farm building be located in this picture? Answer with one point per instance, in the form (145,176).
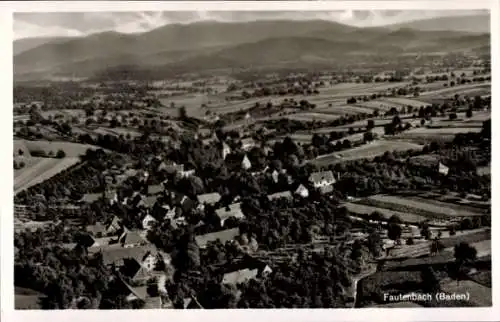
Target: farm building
(207,199)
(239,276)
(231,211)
(322,179)
(302,191)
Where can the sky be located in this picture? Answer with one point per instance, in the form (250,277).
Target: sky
(29,25)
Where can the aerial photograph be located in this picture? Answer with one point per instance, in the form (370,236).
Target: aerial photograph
(252,159)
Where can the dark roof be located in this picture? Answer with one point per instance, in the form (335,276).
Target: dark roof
(134,270)
(317,177)
(116,254)
(209,198)
(223,236)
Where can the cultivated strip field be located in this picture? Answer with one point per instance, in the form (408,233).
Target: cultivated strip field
(435,134)
(421,207)
(40,169)
(365,151)
(387,213)
(71,149)
(479,294)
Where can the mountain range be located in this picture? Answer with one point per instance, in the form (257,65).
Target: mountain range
(210,45)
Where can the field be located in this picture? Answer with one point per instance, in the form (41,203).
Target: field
(71,149)
(435,134)
(38,170)
(421,207)
(27,299)
(446,92)
(369,150)
(479,295)
(387,213)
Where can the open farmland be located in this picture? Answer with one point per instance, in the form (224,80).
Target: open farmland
(387,213)
(71,149)
(365,151)
(424,135)
(480,295)
(38,170)
(311,116)
(468,89)
(343,110)
(420,207)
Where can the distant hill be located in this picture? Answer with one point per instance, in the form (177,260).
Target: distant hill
(25,44)
(473,24)
(206,45)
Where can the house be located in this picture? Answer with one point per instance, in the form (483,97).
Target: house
(245,163)
(247,143)
(97,230)
(91,197)
(302,191)
(233,210)
(111,196)
(131,239)
(191,302)
(226,150)
(134,270)
(240,276)
(223,236)
(146,255)
(443,169)
(275,175)
(155,189)
(173,168)
(322,179)
(187,173)
(147,202)
(325,189)
(114,226)
(207,199)
(148,222)
(279,195)
(134,293)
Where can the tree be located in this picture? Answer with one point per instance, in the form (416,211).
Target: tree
(370,125)
(20,152)
(60,154)
(410,241)
(394,231)
(425,231)
(430,283)
(368,136)
(468,113)
(182,113)
(464,255)
(453,116)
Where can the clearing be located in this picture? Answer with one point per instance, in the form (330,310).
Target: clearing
(38,170)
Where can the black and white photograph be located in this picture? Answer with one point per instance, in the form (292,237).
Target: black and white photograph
(175,160)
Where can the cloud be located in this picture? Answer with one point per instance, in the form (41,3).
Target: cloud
(83,23)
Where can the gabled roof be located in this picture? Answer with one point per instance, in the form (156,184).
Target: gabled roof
(116,254)
(134,270)
(233,210)
(278,195)
(114,224)
(155,189)
(223,236)
(209,198)
(97,228)
(131,238)
(317,177)
(240,276)
(91,197)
